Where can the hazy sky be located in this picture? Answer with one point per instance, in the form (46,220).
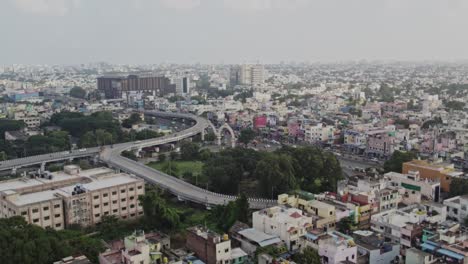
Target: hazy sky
(231,31)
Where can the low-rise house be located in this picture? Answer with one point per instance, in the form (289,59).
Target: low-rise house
(372,248)
(137,248)
(457,208)
(289,224)
(335,247)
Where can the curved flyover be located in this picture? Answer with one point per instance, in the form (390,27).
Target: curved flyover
(183,190)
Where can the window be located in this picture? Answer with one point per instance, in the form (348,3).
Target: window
(57,206)
(106,204)
(97,215)
(114,202)
(131,197)
(96,206)
(106,213)
(123,199)
(226,250)
(24,213)
(45,208)
(124,208)
(105,195)
(115,210)
(132,215)
(96,197)
(132,206)
(58,225)
(139,187)
(46,218)
(114,193)
(36,220)
(57,215)
(122,191)
(35,210)
(130,189)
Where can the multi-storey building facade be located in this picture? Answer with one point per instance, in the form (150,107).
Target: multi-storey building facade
(115,86)
(60,199)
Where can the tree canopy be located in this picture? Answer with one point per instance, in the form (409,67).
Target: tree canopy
(78,92)
(21,242)
(395,163)
(246,136)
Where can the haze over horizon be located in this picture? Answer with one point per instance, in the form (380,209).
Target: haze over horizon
(231,31)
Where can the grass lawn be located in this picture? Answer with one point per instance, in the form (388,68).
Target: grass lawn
(193,168)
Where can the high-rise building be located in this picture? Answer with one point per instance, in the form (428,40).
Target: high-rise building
(116,86)
(252,74)
(182,86)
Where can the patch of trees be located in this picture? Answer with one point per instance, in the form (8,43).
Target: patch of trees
(10,125)
(227,215)
(21,242)
(386,93)
(287,169)
(132,120)
(458,186)
(308,256)
(395,163)
(432,122)
(158,214)
(246,136)
(455,105)
(243,96)
(78,92)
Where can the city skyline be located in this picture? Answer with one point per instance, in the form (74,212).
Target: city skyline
(212,32)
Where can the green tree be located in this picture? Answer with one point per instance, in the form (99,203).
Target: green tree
(455,105)
(346,225)
(173,155)
(308,256)
(132,120)
(246,136)
(275,174)
(3,156)
(162,157)
(10,125)
(88,139)
(210,137)
(157,213)
(189,150)
(458,186)
(78,92)
(395,163)
(103,137)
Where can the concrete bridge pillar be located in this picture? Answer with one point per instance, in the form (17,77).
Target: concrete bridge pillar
(43,164)
(233,142)
(13,170)
(218,138)
(203,135)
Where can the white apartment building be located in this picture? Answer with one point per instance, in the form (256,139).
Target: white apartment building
(60,199)
(182,86)
(289,224)
(457,208)
(412,188)
(321,133)
(252,74)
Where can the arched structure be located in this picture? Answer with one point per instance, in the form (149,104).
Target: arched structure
(219,134)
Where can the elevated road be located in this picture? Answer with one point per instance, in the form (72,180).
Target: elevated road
(111,155)
(180,188)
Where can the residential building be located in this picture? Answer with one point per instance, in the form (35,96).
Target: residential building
(182,86)
(413,188)
(434,172)
(373,248)
(336,247)
(210,247)
(289,224)
(380,143)
(138,248)
(252,75)
(416,256)
(457,208)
